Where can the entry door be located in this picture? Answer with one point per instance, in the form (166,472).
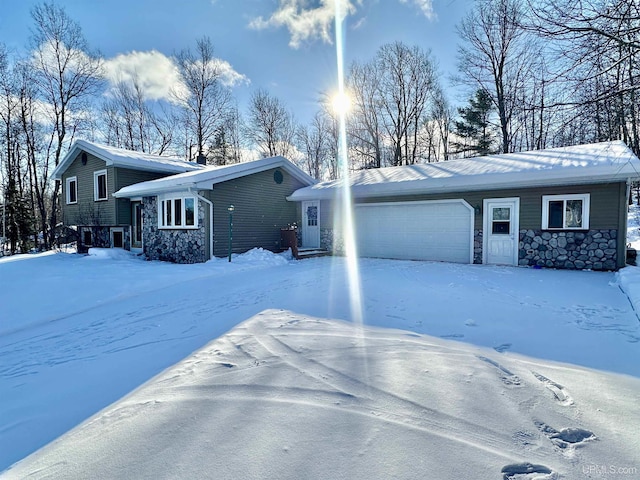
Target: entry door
(136,225)
(501,231)
(311,224)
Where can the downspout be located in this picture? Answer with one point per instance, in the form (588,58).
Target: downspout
(210,203)
(623,262)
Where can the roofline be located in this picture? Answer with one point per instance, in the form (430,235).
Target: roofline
(80,145)
(230,172)
(430,186)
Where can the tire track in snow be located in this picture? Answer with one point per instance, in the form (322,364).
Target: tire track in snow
(388,407)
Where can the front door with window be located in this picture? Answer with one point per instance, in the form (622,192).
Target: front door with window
(501,231)
(311,224)
(136,225)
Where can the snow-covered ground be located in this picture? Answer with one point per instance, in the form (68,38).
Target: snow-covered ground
(461,371)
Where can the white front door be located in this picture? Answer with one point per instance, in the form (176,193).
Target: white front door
(501,231)
(311,224)
(136,226)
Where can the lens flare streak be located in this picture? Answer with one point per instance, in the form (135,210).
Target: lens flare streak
(347,227)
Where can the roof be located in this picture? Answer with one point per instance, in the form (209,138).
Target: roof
(592,163)
(119,157)
(205,178)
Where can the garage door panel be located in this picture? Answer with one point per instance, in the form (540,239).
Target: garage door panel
(440,231)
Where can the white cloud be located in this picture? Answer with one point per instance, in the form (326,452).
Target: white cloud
(426,6)
(304,21)
(313,19)
(228,76)
(158,74)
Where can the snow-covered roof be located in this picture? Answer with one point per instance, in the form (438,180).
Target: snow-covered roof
(119,157)
(205,178)
(592,163)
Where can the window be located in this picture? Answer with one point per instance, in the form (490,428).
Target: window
(565,212)
(312,216)
(177,212)
(72,190)
(100,185)
(501,221)
(87,238)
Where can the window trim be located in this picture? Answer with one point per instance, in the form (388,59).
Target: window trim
(96,175)
(586,209)
(182,198)
(68,190)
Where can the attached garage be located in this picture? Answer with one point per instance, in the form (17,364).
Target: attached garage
(439,230)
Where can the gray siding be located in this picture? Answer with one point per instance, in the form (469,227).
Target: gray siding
(124,177)
(105,212)
(87,211)
(605,202)
(261,210)
(607,208)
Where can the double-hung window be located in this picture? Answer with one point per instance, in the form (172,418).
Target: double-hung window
(565,212)
(177,212)
(100,185)
(71,190)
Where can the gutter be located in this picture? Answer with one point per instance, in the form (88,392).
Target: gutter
(210,203)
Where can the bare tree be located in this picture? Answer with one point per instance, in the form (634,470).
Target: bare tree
(206,101)
(365,124)
(226,147)
(495,56)
(131,122)
(597,50)
(315,143)
(66,74)
(392,97)
(270,126)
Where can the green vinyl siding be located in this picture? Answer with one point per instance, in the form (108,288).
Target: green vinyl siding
(605,202)
(105,212)
(260,211)
(87,211)
(124,177)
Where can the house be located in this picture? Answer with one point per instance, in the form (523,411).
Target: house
(175,210)
(186,217)
(559,208)
(90,174)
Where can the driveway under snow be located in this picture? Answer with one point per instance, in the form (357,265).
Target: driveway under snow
(292,394)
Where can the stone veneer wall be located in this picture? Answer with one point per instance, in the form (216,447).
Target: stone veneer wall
(477,247)
(331,241)
(592,249)
(177,246)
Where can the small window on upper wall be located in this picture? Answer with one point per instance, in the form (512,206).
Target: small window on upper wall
(565,212)
(100,185)
(72,190)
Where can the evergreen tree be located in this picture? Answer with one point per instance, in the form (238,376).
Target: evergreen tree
(474,131)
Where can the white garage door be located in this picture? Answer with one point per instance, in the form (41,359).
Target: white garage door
(433,230)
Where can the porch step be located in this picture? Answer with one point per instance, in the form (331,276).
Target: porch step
(311,253)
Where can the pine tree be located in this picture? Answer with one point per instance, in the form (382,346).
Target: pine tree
(474,129)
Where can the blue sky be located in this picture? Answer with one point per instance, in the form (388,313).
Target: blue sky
(273,44)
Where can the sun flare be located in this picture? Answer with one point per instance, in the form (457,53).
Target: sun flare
(341,103)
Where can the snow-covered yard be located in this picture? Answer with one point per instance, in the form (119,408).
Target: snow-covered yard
(460,371)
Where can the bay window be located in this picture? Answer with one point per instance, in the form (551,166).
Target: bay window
(177,212)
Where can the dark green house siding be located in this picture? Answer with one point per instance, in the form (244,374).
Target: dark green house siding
(113,212)
(260,211)
(607,207)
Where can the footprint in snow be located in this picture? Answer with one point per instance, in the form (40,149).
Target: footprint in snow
(567,438)
(507,377)
(502,348)
(527,471)
(452,335)
(559,392)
